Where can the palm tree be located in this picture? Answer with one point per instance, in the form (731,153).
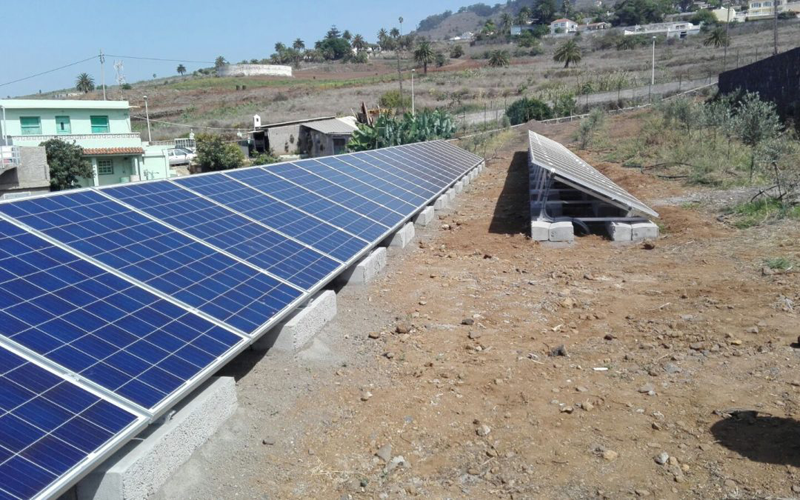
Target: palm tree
(359,43)
(717,37)
(506,21)
(280,47)
(395,33)
(524,15)
(499,59)
(181,69)
(424,55)
(568,52)
(489,28)
(347,35)
(84,83)
(220,62)
(299,44)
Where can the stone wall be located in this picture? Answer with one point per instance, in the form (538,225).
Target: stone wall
(33,173)
(776,79)
(254,70)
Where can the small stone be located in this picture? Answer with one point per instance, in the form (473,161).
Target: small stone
(268,442)
(656,426)
(402,328)
(374,335)
(662,458)
(610,336)
(366,395)
(649,245)
(696,346)
(672,368)
(483,430)
(567,409)
(642,493)
(796,488)
(673,461)
(396,462)
(468,321)
(610,455)
(559,351)
(730,484)
(581,388)
(646,389)
(473,335)
(587,406)
(384,453)
(472,471)
(388,355)
(568,303)
(752,329)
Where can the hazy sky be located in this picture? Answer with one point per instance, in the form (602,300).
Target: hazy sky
(39,35)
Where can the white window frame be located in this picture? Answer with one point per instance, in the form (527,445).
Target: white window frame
(105,167)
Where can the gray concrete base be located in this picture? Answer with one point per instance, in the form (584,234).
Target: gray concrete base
(540,230)
(618,231)
(641,231)
(458,187)
(466,180)
(560,231)
(402,237)
(138,469)
(366,270)
(441,203)
(425,217)
(294,333)
(451,195)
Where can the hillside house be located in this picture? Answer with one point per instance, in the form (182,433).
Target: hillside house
(729,14)
(671,30)
(101,128)
(326,137)
(765,9)
(563,25)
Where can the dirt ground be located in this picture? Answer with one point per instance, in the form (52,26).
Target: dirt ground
(477,397)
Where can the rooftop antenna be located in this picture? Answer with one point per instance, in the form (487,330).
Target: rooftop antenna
(119,68)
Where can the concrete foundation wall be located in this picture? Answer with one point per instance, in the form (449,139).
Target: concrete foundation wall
(366,270)
(254,70)
(441,203)
(425,217)
(294,333)
(402,237)
(142,466)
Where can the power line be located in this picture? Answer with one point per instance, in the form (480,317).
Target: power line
(160,59)
(48,71)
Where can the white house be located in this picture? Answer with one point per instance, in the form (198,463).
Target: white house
(563,25)
(671,30)
(724,15)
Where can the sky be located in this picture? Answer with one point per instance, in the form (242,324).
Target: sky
(40,35)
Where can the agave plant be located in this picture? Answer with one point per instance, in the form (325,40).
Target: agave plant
(394,131)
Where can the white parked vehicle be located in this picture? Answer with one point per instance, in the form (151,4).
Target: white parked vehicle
(180,156)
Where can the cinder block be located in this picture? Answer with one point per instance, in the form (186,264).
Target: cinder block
(619,231)
(292,334)
(425,217)
(451,195)
(442,203)
(140,467)
(458,187)
(540,230)
(562,231)
(641,231)
(402,237)
(466,180)
(366,270)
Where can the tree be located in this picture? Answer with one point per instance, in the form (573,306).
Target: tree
(525,110)
(214,154)
(279,47)
(457,51)
(299,44)
(395,33)
(424,55)
(545,11)
(589,126)
(441,59)
(717,37)
(489,28)
(181,69)
(499,59)
(524,15)
(333,33)
(704,17)
(220,62)
(84,83)
(756,121)
(347,35)
(506,21)
(568,52)
(67,164)
(632,12)
(334,48)
(359,43)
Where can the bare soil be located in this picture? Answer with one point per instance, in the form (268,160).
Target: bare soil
(472,397)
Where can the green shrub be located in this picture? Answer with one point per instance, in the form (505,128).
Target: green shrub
(214,153)
(527,109)
(457,52)
(389,130)
(393,100)
(67,164)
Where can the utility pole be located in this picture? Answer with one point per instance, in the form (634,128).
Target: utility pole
(147,117)
(727,41)
(103,73)
(653,71)
(775,27)
(400,73)
(413,103)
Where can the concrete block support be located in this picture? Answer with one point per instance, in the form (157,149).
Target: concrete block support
(540,230)
(619,231)
(641,231)
(451,195)
(425,217)
(459,187)
(402,237)
(365,270)
(441,203)
(562,231)
(138,469)
(466,180)
(292,334)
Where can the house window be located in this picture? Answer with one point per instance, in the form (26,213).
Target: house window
(99,124)
(62,125)
(31,125)
(105,167)
(339,146)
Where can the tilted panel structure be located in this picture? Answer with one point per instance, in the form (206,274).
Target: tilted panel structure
(117,302)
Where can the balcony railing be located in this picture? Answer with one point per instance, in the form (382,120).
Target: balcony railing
(74,137)
(9,157)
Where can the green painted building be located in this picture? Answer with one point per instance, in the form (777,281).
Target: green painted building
(101,128)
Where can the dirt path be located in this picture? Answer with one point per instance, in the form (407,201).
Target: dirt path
(474,404)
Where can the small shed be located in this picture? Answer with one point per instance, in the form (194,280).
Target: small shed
(326,137)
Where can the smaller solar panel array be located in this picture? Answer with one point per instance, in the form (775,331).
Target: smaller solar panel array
(116,302)
(567,167)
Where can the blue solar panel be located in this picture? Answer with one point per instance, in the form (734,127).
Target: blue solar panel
(218,226)
(152,253)
(336,193)
(439,156)
(408,167)
(256,205)
(98,325)
(368,190)
(379,169)
(48,427)
(310,202)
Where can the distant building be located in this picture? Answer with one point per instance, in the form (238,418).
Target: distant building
(724,15)
(101,128)
(563,25)
(671,30)
(466,36)
(326,137)
(765,9)
(594,26)
(23,171)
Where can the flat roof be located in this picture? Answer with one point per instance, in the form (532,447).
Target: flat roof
(332,127)
(62,104)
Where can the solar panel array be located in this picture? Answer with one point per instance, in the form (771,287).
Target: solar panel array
(571,169)
(116,302)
